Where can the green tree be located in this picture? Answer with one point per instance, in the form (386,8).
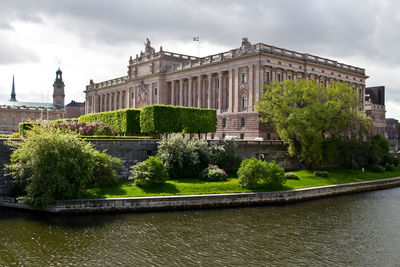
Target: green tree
(305,114)
(54,165)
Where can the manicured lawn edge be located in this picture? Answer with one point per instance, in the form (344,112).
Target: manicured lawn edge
(195,186)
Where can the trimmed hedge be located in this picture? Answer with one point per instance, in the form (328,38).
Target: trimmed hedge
(173,119)
(123,120)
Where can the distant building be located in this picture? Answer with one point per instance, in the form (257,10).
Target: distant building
(74,109)
(13,112)
(375,107)
(229,82)
(392,130)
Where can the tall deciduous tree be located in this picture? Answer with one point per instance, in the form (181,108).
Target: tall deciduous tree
(305,114)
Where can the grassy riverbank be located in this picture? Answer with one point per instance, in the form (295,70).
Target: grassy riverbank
(126,188)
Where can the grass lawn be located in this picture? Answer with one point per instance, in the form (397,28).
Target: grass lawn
(126,188)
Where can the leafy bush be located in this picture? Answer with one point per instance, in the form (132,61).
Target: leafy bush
(56,165)
(321,174)
(254,172)
(224,154)
(105,172)
(87,128)
(173,119)
(389,167)
(149,172)
(24,127)
(376,168)
(214,174)
(291,176)
(124,121)
(184,158)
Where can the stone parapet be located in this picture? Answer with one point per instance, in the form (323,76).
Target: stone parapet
(187,202)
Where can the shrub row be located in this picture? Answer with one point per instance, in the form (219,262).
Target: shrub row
(172,119)
(123,121)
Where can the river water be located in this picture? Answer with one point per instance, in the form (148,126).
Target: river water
(354,230)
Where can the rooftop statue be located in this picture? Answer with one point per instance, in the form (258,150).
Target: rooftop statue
(148,49)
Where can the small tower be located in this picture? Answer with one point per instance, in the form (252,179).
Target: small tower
(58,93)
(13,96)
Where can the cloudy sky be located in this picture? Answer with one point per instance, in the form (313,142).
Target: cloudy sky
(93,39)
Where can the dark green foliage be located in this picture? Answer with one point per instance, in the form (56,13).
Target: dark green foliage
(254,172)
(376,168)
(124,121)
(389,167)
(149,172)
(18,189)
(291,176)
(105,172)
(214,174)
(173,119)
(321,174)
(56,165)
(224,154)
(24,127)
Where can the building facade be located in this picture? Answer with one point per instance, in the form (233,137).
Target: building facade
(13,112)
(375,107)
(229,82)
(392,131)
(74,109)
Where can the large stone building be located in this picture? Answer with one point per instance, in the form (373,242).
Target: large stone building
(375,107)
(229,82)
(13,112)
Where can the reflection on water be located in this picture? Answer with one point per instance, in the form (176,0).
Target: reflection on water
(354,230)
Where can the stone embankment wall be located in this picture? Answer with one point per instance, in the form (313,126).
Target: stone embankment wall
(159,203)
(129,151)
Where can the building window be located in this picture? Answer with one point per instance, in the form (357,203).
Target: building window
(132,95)
(212,136)
(242,122)
(244,77)
(155,91)
(223,122)
(244,102)
(278,77)
(289,77)
(242,136)
(266,77)
(223,135)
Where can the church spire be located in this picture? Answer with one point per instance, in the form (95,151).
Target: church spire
(13,96)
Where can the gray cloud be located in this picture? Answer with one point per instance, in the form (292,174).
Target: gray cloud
(12,53)
(335,29)
(315,26)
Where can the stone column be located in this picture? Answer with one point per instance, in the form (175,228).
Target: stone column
(251,88)
(273,75)
(231,90)
(120,99)
(259,82)
(199,91)
(209,98)
(173,92)
(181,92)
(220,92)
(190,92)
(151,94)
(236,91)
(127,98)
